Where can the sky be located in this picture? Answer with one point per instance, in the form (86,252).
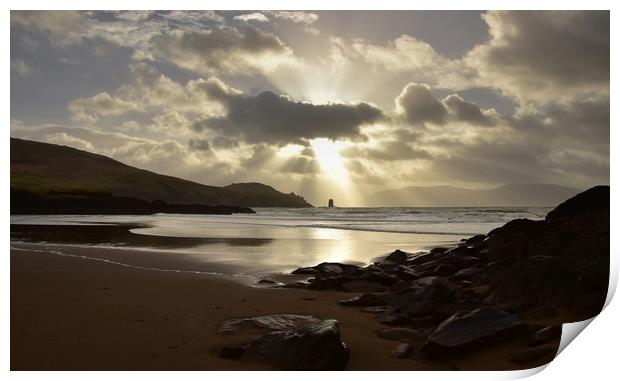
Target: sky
(326,104)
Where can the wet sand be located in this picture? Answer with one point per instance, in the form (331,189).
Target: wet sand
(70,313)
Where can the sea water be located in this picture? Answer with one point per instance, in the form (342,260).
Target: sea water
(281,239)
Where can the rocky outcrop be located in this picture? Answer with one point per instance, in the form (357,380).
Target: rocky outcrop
(561,262)
(473,293)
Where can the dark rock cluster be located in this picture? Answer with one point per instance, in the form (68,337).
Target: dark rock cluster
(472,295)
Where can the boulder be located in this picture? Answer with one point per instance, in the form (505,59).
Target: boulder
(364,300)
(326,269)
(594,200)
(465,331)
(267,323)
(425,296)
(467,273)
(317,346)
(398,256)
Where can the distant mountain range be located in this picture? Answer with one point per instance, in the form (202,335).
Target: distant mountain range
(447,196)
(43,170)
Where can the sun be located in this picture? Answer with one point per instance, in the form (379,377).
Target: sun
(327,153)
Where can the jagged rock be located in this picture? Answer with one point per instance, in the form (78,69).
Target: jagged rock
(425,296)
(327,269)
(468,273)
(537,281)
(364,300)
(466,330)
(398,256)
(317,346)
(325,283)
(403,350)
(475,239)
(545,335)
(532,354)
(594,201)
(400,334)
(439,250)
(445,269)
(265,323)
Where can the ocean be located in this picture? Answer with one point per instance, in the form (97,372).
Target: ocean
(278,240)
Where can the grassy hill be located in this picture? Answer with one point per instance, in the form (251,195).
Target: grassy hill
(43,169)
(448,196)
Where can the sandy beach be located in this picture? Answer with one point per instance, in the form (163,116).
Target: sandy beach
(71,313)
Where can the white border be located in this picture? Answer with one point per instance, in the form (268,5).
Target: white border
(592,355)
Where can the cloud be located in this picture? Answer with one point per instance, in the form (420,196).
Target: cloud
(199,145)
(469,112)
(63,138)
(102,104)
(223,50)
(255,16)
(390,150)
(544,55)
(296,16)
(419,105)
(268,117)
(56,26)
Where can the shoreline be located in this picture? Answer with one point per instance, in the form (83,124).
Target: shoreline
(69,313)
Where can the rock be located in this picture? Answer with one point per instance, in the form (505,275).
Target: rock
(364,300)
(327,269)
(475,239)
(537,281)
(266,281)
(296,285)
(595,200)
(263,324)
(438,250)
(397,256)
(425,296)
(363,286)
(325,283)
(532,354)
(317,346)
(444,269)
(471,330)
(232,352)
(545,335)
(467,274)
(403,350)
(400,334)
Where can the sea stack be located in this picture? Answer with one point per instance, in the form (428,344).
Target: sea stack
(330,203)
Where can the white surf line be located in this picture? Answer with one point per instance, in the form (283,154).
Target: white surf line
(108,261)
